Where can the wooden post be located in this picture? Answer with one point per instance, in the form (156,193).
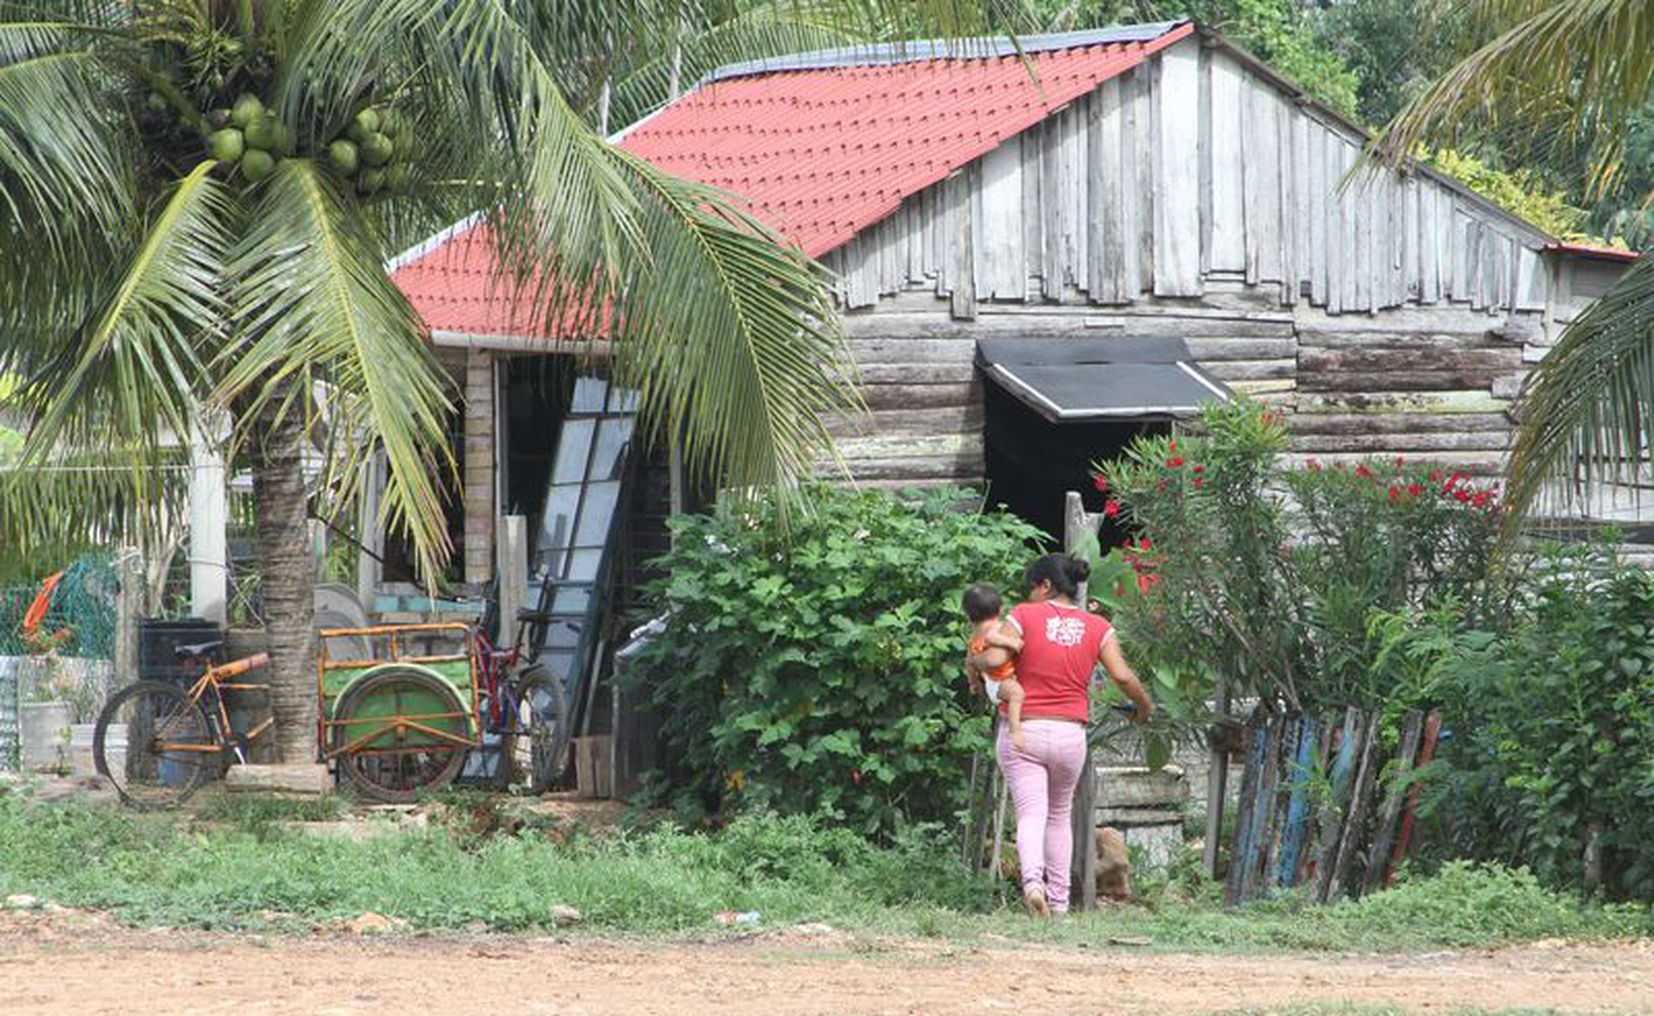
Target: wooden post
(1077,525)
(129,597)
(511,565)
(1217,780)
(370,535)
(209,546)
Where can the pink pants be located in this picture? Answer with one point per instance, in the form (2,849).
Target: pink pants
(1042,781)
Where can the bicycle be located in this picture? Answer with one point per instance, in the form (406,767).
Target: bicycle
(157,743)
(523,699)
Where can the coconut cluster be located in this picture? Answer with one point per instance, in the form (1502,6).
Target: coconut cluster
(249,137)
(373,152)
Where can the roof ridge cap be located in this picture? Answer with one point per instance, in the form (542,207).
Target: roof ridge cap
(886,54)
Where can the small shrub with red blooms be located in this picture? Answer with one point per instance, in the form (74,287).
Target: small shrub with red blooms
(1246,566)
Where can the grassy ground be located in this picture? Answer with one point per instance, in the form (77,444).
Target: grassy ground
(239,865)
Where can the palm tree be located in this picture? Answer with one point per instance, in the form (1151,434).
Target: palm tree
(1562,76)
(197,198)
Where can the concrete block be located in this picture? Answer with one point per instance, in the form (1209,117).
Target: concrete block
(1140,787)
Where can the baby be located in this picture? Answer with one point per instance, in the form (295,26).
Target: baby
(982,607)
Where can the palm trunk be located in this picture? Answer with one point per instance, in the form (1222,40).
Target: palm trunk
(287,581)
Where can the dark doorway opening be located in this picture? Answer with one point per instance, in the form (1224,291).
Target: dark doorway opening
(1031,462)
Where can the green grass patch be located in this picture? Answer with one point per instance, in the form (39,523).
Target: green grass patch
(151,870)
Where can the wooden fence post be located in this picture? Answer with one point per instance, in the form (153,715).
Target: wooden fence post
(1077,525)
(129,597)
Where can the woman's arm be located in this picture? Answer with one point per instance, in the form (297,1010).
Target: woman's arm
(1003,645)
(1125,679)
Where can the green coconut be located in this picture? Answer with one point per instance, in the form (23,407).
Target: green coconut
(284,140)
(377,149)
(368,120)
(343,155)
(257,164)
(264,132)
(398,177)
(246,110)
(371,181)
(390,123)
(226,145)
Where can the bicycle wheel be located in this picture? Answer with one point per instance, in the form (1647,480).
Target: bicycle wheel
(406,732)
(540,748)
(155,746)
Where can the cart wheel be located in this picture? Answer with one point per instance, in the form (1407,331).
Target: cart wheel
(155,746)
(396,761)
(540,749)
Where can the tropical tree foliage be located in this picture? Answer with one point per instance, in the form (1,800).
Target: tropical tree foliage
(197,198)
(1568,76)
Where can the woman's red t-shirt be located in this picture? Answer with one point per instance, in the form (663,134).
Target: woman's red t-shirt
(1059,653)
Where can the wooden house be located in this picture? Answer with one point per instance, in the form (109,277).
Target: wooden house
(1040,255)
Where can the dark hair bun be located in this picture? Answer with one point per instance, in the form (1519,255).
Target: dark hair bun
(1078,569)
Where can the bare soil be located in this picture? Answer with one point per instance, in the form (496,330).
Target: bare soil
(83,963)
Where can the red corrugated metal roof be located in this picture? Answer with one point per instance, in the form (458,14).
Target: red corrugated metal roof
(821,152)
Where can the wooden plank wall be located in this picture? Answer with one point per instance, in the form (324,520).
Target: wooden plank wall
(1387,314)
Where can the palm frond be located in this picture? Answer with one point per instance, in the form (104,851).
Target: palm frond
(133,370)
(313,304)
(54,510)
(63,158)
(1588,412)
(729,334)
(1552,72)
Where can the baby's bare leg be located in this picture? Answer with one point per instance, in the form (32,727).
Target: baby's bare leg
(1010,693)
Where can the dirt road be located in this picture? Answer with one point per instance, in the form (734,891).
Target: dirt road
(92,967)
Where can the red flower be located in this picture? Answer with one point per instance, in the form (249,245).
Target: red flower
(1363,471)
(1100,482)
(1435,476)
(1395,493)
(1171,446)
(1111,509)
(1482,498)
(1415,489)
(1199,482)
(1400,462)
(1175,461)
(1461,495)
(1199,469)
(1144,543)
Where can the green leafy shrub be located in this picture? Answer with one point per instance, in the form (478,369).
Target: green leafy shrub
(1550,762)
(818,671)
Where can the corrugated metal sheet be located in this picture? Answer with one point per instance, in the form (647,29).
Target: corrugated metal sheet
(822,149)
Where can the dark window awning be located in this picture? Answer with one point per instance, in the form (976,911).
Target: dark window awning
(1071,379)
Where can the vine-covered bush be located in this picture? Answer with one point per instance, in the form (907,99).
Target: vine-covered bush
(1244,566)
(1549,760)
(816,668)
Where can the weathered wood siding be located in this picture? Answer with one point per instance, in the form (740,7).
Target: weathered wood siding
(1196,196)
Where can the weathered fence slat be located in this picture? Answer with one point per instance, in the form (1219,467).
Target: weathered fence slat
(1355,823)
(1332,809)
(1244,825)
(1427,751)
(1412,728)
(1304,769)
